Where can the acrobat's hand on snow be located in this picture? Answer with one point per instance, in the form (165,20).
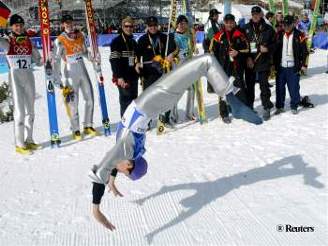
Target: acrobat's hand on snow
(101,218)
(112,187)
(240,111)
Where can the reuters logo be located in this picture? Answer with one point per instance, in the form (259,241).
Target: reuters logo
(291,228)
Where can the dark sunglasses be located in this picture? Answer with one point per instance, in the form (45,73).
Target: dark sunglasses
(128,26)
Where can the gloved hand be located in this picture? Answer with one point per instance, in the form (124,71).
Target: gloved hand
(68,94)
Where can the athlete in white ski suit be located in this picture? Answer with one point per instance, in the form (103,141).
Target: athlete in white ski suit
(21,54)
(71,48)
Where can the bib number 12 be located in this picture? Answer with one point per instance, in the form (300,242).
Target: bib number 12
(22,64)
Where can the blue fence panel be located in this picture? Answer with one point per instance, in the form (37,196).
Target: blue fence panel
(321,40)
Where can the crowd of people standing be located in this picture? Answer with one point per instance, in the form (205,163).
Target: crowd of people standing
(250,53)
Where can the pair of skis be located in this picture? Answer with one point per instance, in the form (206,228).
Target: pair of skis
(95,56)
(46,49)
(48,68)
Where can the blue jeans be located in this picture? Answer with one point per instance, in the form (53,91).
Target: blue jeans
(240,111)
(292,79)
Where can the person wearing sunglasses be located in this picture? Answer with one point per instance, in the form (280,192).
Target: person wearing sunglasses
(151,50)
(151,56)
(21,54)
(126,156)
(123,61)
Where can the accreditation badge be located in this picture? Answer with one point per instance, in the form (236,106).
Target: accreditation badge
(253,47)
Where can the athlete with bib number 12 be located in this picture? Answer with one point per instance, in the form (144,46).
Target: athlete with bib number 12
(20,56)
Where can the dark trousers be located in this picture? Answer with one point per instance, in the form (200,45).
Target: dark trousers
(292,79)
(263,79)
(127,95)
(149,79)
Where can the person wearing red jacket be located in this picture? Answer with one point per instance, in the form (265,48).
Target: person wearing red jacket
(230,46)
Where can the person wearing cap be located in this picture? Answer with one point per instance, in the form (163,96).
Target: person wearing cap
(71,48)
(127,155)
(261,38)
(21,55)
(212,26)
(230,48)
(290,59)
(151,56)
(123,60)
(151,51)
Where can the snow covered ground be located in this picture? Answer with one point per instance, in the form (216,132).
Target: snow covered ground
(214,184)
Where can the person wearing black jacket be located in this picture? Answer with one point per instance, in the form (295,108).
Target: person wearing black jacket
(122,59)
(230,47)
(290,59)
(261,39)
(151,45)
(211,27)
(151,56)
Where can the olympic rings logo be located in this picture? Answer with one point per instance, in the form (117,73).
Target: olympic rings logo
(21,50)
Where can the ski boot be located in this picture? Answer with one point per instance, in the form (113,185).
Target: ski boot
(23,150)
(90,131)
(77,136)
(32,146)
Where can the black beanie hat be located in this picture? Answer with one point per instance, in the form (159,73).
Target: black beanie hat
(16,19)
